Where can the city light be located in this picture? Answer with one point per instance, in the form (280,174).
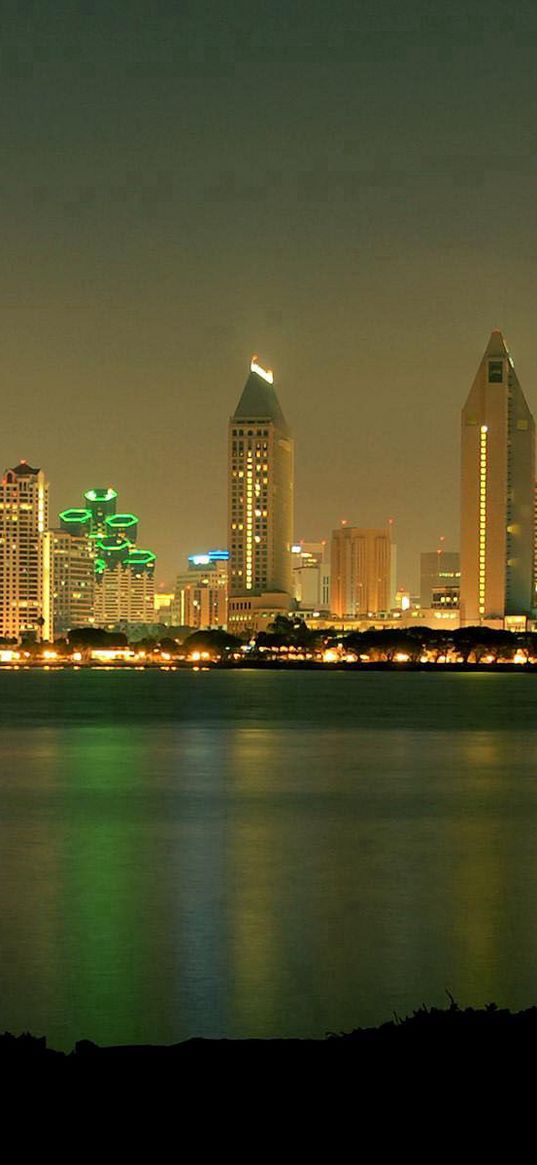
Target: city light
(482,517)
(100,495)
(264,373)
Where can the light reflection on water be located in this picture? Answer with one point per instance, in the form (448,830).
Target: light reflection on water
(262,853)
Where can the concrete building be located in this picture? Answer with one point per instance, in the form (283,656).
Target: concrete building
(248,616)
(70,564)
(101,504)
(361,575)
(497,493)
(438,568)
(311,576)
(125,590)
(124,575)
(260,497)
(201,592)
(440,620)
(25,605)
(164,607)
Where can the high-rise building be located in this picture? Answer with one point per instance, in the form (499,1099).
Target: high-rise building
(260,505)
(101,504)
(69,556)
(24,575)
(123,574)
(497,492)
(438,568)
(201,591)
(125,588)
(360,571)
(311,576)
(165,607)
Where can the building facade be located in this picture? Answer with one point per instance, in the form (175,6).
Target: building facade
(360,571)
(125,590)
(438,568)
(497,492)
(25,605)
(311,576)
(260,494)
(69,557)
(123,574)
(201,592)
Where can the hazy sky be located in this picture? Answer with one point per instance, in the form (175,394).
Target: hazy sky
(347,189)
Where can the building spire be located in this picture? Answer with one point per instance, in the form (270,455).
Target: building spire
(496,345)
(259,398)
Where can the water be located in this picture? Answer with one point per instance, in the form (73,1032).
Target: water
(262,853)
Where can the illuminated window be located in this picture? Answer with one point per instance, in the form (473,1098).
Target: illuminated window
(495,371)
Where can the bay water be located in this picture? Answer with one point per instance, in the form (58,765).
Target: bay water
(262,853)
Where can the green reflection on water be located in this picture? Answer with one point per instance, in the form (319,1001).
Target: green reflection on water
(230,877)
(104,943)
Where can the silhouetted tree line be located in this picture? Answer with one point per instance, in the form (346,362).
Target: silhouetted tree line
(468,643)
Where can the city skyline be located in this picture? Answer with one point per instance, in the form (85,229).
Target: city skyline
(182,211)
(404,553)
(407,552)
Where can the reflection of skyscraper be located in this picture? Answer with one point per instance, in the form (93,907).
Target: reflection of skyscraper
(498,437)
(24,579)
(260,498)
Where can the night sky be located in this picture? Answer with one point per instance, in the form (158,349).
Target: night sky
(347,189)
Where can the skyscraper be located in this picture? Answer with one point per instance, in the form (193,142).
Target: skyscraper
(360,571)
(497,492)
(260,501)
(69,558)
(438,568)
(201,591)
(123,585)
(311,576)
(124,574)
(24,576)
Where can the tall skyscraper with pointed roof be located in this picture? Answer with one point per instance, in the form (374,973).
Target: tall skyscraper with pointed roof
(260,501)
(497,492)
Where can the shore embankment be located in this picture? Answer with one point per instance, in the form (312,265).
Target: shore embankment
(433,1033)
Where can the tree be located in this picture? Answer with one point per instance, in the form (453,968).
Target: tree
(92,637)
(169,645)
(215,642)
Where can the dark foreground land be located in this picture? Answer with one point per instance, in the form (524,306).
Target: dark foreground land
(431,1036)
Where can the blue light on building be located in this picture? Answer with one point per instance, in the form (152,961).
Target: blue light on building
(210,557)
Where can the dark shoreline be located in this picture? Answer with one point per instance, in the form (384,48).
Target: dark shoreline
(275,665)
(430,1032)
